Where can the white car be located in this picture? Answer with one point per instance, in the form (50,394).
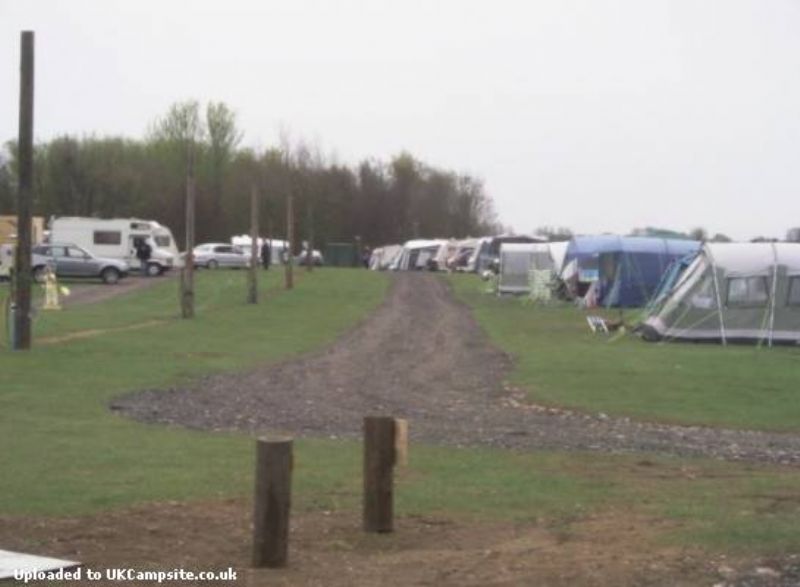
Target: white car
(214,255)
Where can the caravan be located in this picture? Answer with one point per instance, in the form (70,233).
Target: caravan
(116,238)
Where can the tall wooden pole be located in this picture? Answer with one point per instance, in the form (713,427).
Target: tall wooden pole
(187,273)
(252,290)
(22,267)
(290,238)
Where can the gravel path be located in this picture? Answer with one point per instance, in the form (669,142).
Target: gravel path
(422,356)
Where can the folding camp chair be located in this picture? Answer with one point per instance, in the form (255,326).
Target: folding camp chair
(597,324)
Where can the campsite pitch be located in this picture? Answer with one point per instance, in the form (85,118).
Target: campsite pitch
(91,486)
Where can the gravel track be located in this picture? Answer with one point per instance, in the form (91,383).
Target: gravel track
(422,356)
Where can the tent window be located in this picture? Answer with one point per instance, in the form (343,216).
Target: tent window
(794,292)
(747,291)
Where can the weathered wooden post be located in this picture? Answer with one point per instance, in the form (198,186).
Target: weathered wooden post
(379,461)
(187,273)
(273,489)
(22,262)
(252,290)
(290,239)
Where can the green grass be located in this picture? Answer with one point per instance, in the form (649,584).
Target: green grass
(726,507)
(64,453)
(560,362)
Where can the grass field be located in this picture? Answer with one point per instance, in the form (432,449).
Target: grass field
(67,453)
(64,453)
(562,363)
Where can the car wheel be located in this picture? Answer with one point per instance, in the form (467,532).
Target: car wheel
(110,275)
(39,273)
(213,264)
(153,269)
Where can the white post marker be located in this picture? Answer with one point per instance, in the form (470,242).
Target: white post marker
(50,291)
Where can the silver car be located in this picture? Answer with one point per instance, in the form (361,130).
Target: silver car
(70,260)
(213,255)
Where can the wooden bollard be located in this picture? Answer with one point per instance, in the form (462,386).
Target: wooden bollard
(379,461)
(273,492)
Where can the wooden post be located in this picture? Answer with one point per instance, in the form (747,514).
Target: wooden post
(273,491)
(252,290)
(290,239)
(187,273)
(379,460)
(22,262)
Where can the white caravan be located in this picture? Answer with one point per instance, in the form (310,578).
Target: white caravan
(116,238)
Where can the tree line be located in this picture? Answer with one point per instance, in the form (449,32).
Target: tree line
(377,202)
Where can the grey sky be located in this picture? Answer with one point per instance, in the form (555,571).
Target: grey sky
(598,115)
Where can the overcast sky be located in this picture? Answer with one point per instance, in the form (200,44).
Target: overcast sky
(598,115)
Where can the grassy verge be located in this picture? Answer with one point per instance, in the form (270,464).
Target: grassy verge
(562,363)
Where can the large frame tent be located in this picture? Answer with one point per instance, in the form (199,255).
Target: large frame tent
(746,292)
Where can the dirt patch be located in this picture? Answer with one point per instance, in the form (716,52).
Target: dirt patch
(422,356)
(331,550)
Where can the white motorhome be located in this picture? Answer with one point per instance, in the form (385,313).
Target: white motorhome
(116,238)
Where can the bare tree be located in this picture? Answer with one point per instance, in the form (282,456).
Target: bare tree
(223,138)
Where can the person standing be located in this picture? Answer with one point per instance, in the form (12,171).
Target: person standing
(143,252)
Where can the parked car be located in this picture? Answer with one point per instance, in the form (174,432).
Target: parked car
(213,255)
(69,260)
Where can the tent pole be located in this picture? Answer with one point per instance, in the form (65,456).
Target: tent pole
(774,292)
(719,297)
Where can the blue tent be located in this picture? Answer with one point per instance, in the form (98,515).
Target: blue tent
(586,250)
(627,269)
(630,273)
